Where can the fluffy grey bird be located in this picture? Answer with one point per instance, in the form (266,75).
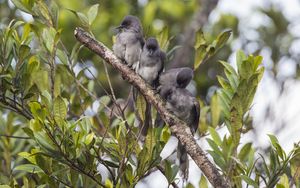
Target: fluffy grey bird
(181,103)
(177,77)
(151,62)
(150,66)
(129,41)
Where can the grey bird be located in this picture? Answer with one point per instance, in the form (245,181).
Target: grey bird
(129,41)
(181,103)
(177,77)
(151,62)
(150,67)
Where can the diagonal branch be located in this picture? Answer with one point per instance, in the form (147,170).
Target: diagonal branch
(178,127)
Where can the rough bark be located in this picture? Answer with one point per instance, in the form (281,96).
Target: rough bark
(178,127)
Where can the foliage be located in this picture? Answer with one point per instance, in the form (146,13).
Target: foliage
(50,137)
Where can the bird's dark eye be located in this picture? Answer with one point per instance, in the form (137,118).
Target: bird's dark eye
(125,23)
(151,47)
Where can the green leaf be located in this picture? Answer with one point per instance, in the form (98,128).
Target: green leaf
(163,39)
(104,101)
(35,125)
(54,11)
(240,57)
(28,156)
(257,61)
(20,5)
(228,67)
(48,38)
(215,136)
(244,153)
(43,11)
(141,106)
(38,112)
(189,185)
(200,54)
(222,38)
(110,164)
(224,101)
(215,110)
(29,168)
(89,138)
(24,52)
(33,64)
(165,134)
(200,39)
(84,21)
(245,70)
(62,56)
(233,80)
(214,146)
(26,32)
(59,110)
(224,83)
(203,182)
(92,13)
(46,144)
(108,183)
(249,181)
(273,139)
(217,159)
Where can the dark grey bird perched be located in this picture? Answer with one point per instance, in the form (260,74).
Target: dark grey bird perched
(177,77)
(181,103)
(129,41)
(150,67)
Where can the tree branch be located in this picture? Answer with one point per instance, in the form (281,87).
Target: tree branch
(183,55)
(178,127)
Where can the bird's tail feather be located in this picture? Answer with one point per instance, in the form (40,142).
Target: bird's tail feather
(183,161)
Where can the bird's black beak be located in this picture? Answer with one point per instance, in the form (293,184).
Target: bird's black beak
(118,29)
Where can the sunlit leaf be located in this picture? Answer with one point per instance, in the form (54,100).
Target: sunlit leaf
(200,39)
(92,13)
(29,168)
(203,182)
(222,38)
(200,54)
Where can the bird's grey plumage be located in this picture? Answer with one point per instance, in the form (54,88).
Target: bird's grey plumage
(177,77)
(150,66)
(186,107)
(129,41)
(151,62)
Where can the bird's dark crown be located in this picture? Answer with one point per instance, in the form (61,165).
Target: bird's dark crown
(131,21)
(152,43)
